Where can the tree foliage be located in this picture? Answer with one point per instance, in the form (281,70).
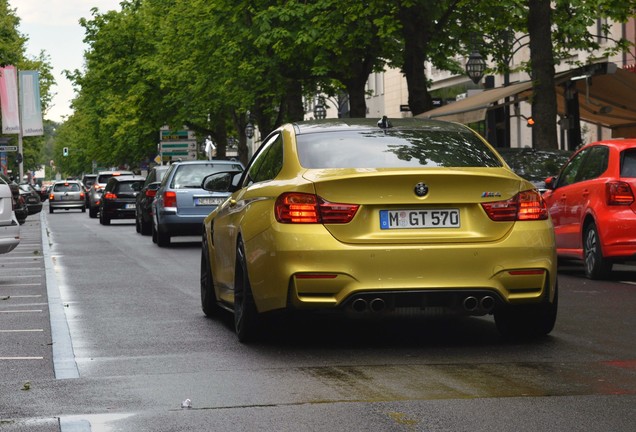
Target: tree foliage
(206,64)
(13,52)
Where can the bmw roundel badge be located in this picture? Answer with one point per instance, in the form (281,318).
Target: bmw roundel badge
(421,189)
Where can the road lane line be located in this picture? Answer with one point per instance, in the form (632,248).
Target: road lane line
(21,331)
(22,311)
(21,358)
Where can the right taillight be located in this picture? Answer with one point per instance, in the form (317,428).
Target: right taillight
(619,193)
(150,193)
(526,205)
(295,207)
(169,199)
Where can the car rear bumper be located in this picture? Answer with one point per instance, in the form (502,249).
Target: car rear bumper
(66,204)
(314,271)
(180,225)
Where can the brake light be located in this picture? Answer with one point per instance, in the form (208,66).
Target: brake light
(109,196)
(151,193)
(82,196)
(526,205)
(308,208)
(51,197)
(169,199)
(619,193)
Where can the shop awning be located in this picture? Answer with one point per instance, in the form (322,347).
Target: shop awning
(606,98)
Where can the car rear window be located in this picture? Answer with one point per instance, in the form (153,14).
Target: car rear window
(628,163)
(131,186)
(394,149)
(191,175)
(66,187)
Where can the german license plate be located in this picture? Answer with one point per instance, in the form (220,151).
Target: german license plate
(130,206)
(208,201)
(430,218)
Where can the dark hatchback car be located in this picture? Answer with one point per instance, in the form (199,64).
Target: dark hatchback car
(19,204)
(119,198)
(143,219)
(31,197)
(95,191)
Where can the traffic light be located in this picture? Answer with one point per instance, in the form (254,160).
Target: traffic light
(530,122)
(65,151)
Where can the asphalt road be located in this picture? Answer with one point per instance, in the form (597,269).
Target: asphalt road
(101,330)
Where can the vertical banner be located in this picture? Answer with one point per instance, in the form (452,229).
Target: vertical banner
(30,104)
(9,100)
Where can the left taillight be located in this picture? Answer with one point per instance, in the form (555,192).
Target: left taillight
(109,196)
(525,206)
(169,199)
(294,207)
(619,193)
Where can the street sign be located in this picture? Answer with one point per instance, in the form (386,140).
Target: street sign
(175,135)
(185,149)
(8,148)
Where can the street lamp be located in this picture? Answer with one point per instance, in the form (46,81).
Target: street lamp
(475,66)
(249,127)
(320,111)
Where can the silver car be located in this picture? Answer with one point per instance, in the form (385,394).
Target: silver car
(181,204)
(67,195)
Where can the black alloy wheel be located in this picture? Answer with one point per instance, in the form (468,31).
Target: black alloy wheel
(245,313)
(208,296)
(596,266)
(528,321)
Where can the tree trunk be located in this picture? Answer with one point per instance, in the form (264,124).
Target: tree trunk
(544,107)
(357,97)
(414,60)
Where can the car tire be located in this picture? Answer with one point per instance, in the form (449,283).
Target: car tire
(84,209)
(163,238)
(208,296)
(527,321)
(145,227)
(103,219)
(596,266)
(51,210)
(137,224)
(92,212)
(246,320)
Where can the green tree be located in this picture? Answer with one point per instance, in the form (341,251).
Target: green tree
(11,41)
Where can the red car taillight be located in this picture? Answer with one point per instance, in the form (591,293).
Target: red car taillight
(169,199)
(110,196)
(526,205)
(619,193)
(308,208)
(82,196)
(150,193)
(51,197)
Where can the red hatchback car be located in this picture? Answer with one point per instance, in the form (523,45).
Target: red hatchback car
(592,206)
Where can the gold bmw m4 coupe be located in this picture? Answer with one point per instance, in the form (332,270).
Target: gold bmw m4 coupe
(379,217)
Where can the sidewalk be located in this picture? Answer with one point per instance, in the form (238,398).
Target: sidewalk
(34,337)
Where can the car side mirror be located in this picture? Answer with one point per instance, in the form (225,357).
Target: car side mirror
(550,182)
(225,181)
